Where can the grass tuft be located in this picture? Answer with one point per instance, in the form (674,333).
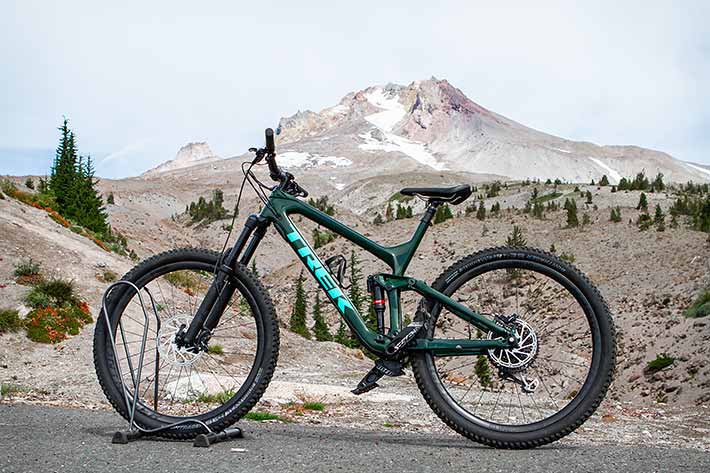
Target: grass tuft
(9,321)
(261,416)
(701,306)
(661,361)
(215,349)
(7,389)
(314,406)
(219,398)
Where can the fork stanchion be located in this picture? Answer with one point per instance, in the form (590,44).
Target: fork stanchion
(135,431)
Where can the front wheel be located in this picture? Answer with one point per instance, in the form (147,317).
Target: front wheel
(546,387)
(217,385)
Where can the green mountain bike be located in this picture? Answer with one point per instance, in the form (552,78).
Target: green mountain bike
(511,347)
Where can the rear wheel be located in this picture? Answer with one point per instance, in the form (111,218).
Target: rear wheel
(546,387)
(217,386)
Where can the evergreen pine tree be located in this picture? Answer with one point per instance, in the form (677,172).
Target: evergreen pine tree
(87,204)
(571,207)
(63,174)
(516,238)
(111,200)
(483,371)
(481,213)
(297,321)
(389,212)
(443,213)
(320,328)
(356,294)
(615,214)
(643,203)
(604,181)
(659,219)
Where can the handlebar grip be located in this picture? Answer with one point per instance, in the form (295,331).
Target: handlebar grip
(270,146)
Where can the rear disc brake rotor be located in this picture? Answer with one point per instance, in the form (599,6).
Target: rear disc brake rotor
(519,358)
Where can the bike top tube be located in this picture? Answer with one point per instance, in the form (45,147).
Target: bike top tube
(397,257)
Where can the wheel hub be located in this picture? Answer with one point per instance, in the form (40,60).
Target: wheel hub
(520,357)
(167,342)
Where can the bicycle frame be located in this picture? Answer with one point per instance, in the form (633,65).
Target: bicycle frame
(281,205)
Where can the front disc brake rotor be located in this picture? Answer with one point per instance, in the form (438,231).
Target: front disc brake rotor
(167,347)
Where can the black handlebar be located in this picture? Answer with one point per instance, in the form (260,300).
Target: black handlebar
(270,146)
(288,184)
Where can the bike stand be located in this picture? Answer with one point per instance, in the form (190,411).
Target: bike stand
(136,432)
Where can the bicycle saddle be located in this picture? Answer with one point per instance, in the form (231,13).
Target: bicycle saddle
(452,195)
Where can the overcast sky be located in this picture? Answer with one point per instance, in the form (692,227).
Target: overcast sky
(139,79)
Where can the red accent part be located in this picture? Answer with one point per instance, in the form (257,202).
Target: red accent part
(378,301)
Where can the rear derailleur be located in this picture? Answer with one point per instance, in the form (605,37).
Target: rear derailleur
(527,385)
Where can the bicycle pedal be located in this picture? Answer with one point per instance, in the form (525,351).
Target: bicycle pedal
(369,381)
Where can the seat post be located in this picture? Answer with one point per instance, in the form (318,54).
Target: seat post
(430,212)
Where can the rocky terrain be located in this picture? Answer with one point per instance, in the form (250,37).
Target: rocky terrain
(189,155)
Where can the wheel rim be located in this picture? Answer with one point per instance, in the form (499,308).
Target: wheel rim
(546,384)
(200,385)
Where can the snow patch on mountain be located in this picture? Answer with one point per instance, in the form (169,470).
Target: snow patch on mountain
(393,112)
(614,175)
(698,168)
(298,159)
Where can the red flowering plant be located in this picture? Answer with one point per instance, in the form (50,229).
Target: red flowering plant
(56,312)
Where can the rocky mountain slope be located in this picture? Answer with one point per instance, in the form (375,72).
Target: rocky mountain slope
(188,155)
(431,125)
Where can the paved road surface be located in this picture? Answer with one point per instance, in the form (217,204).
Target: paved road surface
(42,439)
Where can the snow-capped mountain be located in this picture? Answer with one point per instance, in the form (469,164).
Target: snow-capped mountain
(430,126)
(188,155)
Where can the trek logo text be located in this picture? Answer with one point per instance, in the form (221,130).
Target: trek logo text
(321,274)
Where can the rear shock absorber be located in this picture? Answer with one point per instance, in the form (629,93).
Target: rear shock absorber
(378,303)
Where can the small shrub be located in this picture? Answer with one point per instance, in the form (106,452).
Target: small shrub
(644,221)
(215,349)
(54,324)
(110,199)
(516,238)
(27,267)
(7,389)
(107,276)
(184,279)
(569,257)
(55,292)
(661,361)
(9,321)
(615,215)
(701,306)
(322,238)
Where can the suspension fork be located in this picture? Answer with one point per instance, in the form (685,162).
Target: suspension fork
(222,288)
